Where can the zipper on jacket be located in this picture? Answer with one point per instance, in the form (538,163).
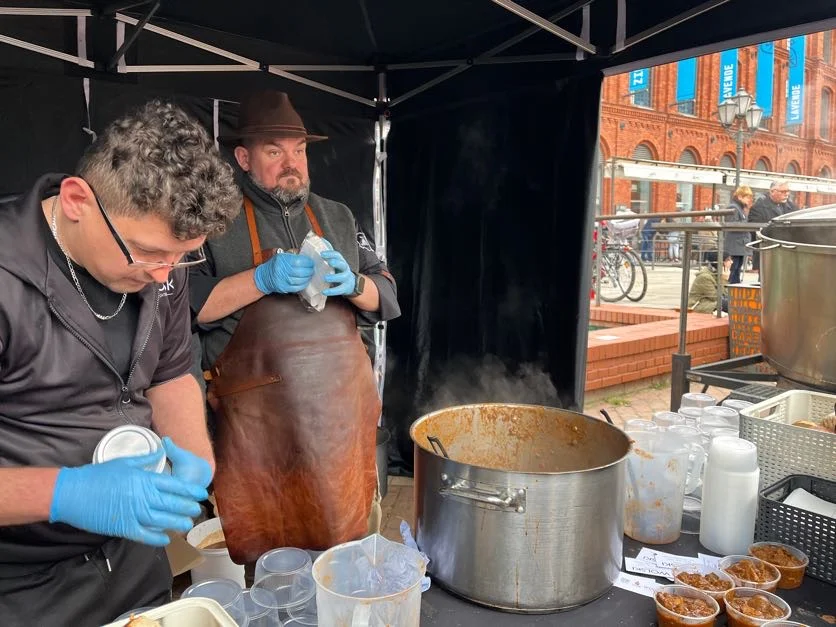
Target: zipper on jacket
(93,350)
(286,217)
(126,397)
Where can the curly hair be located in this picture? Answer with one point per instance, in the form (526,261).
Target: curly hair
(158,160)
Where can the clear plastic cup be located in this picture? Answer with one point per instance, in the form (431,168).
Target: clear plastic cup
(305,614)
(791,576)
(640,424)
(736,618)
(260,615)
(669,618)
(697,399)
(719,417)
(736,404)
(284,561)
(784,623)
(284,592)
(667,419)
(226,592)
(770,585)
(698,569)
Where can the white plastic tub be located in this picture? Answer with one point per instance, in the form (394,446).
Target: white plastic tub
(216,562)
(187,613)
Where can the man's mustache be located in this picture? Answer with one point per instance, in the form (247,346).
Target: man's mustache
(291,172)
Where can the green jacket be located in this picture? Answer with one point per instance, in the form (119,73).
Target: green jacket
(702,297)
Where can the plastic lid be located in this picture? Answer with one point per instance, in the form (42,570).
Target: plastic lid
(284,591)
(733,454)
(129,441)
(254,604)
(224,591)
(304,614)
(283,561)
(735,403)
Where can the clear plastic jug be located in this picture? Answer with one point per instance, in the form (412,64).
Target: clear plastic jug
(369,583)
(661,469)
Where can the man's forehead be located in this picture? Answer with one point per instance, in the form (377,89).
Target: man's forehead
(283,142)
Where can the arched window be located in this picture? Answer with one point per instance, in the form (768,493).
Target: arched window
(685,191)
(792,168)
(826,113)
(640,194)
(727,161)
(762,165)
(724,193)
(825,173)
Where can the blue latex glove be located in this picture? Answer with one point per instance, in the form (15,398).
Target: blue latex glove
(343,278)
(186,465)
(284,273)
(119,498)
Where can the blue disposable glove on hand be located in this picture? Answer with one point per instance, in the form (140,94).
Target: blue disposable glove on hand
(186,465)
(343,279)
(119,498)
(284,273)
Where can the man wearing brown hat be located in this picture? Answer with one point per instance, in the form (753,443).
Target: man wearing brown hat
(292,390)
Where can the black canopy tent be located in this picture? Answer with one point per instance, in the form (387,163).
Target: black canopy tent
(489,166)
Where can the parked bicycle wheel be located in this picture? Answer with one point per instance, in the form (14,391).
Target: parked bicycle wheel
(617,275)
(639,289)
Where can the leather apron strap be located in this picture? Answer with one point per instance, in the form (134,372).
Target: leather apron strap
(258,254)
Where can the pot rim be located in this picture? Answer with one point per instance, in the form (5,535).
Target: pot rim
(615,462)
(790,244)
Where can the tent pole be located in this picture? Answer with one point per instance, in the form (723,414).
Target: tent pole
(379,211)
(114,60)
(489,53)
(547,25)
(667,24)
(251,63)
(46,12)
(49,52)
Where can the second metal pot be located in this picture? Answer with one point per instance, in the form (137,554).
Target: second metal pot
(526,513)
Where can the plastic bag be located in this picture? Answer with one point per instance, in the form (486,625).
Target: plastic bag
(312,295)
(408,540)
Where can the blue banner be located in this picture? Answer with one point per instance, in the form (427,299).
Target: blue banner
(728,74)
(795,83)
(765,77)
(686,80)
(639,80)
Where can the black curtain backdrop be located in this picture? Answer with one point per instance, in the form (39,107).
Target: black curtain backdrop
(489,227)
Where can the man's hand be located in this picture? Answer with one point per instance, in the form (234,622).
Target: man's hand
(119,498)
(186,465)
(343,279)
(284,273)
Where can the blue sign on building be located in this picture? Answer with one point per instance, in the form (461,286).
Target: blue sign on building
(639,80)
(728,74)
(765,77)
(795,83)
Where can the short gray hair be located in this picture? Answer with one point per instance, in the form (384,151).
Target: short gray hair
(158,160)
(778,183)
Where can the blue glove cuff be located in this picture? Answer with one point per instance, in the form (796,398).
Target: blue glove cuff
(261,276)
(55,506)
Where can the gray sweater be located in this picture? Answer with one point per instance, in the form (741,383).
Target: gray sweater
(286,228)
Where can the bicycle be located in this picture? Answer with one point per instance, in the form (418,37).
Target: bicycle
(615,276)
(619,239)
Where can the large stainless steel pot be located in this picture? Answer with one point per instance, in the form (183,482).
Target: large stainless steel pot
(798,294)
(526,514)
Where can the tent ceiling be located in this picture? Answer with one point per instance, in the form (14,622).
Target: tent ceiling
(377,33)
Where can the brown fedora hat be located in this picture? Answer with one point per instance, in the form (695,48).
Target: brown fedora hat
(269,113)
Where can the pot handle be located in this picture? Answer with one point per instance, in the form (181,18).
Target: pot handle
(507,499)
(756,245)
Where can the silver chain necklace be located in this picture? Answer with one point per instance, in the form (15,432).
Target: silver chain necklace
(75,278)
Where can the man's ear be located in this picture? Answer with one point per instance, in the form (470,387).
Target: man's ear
(76,198)
(242,156)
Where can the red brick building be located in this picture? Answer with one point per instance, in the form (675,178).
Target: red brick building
(660,131)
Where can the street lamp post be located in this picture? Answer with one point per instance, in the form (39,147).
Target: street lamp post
(740,117)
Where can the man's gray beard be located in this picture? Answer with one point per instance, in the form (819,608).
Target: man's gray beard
(285,196)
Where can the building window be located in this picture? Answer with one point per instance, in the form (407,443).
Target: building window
(685,191)
(640,191)
(792,168)
(761,165)
(688,107)
(827,46)
(826,113)
(825,173)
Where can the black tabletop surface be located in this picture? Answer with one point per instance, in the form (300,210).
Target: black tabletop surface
(814,603)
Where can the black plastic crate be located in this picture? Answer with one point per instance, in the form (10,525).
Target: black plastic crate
(812,533)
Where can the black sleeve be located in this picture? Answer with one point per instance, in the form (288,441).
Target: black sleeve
(176,356)
(373,268)
(756,213)
(202,281)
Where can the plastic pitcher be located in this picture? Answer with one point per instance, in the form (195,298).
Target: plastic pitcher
(369,583)
(658,478)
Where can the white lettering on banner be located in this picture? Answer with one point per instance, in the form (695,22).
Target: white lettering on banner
(728,80)
(795,103)
(638,78)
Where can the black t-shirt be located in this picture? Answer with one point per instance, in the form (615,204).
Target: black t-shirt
(118,331)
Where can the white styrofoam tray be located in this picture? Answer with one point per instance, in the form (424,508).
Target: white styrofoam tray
(195,612)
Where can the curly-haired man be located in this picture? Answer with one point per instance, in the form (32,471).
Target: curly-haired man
(94,335)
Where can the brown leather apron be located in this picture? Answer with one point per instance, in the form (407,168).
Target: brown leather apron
(297,413)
